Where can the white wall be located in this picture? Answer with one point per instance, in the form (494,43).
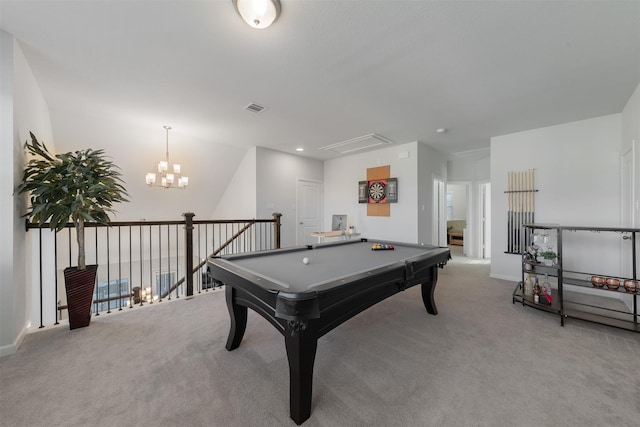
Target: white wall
(341,177)
(137,145)
(265,183)
(462,169)
(12,299)
(277,174)
(431,163)
(577,173)
(239,198)
(23,109)
(631,141)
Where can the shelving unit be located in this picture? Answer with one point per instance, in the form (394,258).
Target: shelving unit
(594,306)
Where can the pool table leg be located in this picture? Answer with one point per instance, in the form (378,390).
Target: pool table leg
(428,288)
(301,344)
(238,315)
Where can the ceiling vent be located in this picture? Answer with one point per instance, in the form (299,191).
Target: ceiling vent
(254,108)
(360,143)
(476,153)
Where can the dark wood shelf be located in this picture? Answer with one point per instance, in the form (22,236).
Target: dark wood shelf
(605,320)
(587,284)
(537,268)
(527,300)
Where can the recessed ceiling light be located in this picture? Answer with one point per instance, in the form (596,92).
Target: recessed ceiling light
(299,149)
(441,130)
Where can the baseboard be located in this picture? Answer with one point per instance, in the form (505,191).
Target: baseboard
(7,350)
(507,278)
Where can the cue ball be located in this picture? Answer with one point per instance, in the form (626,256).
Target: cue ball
(305,260)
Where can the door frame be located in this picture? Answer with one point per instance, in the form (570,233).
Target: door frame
(627,205)
(484,219)
(468,242)
(439,223)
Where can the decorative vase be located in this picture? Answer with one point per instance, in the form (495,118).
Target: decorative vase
(528,286)
(79,285)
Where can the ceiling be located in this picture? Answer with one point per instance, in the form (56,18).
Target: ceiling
(330,71)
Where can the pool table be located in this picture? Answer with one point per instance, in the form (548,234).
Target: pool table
(304,301)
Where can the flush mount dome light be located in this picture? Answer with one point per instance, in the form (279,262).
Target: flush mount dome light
(258,13)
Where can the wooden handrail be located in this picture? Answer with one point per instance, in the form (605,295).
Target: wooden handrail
(236,242)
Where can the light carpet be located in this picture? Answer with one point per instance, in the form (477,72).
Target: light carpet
(482,361)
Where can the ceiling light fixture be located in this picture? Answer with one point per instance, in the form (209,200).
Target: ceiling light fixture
(299,149)
(167,179)
(258,13)
(441,130)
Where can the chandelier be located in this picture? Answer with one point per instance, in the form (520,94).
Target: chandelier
(167,179)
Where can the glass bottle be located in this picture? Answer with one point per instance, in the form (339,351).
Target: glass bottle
(546,285)
(528,285)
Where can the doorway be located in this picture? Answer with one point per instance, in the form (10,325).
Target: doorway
(459,216)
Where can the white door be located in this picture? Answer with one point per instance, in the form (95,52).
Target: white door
(627,210)
(309,210)
(485,220)
(439,237)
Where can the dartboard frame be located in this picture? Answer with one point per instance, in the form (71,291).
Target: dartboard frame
(367,192)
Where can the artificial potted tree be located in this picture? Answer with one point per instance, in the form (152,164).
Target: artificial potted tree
(80,186)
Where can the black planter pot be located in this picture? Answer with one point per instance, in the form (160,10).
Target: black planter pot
(79,285)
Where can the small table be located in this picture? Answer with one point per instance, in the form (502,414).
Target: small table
(305,301)
(456,238)
(322,235)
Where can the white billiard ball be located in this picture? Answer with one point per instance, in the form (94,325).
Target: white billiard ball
(305,260)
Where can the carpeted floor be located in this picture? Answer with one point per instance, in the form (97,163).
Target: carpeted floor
(482,361)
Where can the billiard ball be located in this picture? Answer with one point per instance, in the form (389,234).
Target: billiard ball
(305,260)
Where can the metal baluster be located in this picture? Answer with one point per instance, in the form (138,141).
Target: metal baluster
(141,269)
(108,272)
(206,233)
(160,275)
(41,302)
(96,306)
(55,271)
(150,266)
(169,261)
(130,270)
(177,259)
(119,269)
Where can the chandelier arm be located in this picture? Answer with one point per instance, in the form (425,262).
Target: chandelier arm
(167,153)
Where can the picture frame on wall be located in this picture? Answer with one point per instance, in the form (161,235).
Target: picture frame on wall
(392,190)
(363,192)
(384,190)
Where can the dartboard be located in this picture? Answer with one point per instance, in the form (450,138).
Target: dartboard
(377,191)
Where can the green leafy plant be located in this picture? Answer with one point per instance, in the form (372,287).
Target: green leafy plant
(80,186)
(548,255)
